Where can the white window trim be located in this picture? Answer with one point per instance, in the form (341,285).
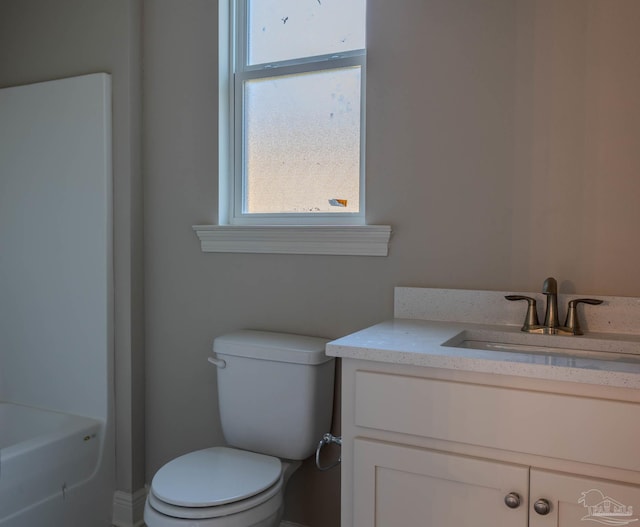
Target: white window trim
(349,237)
(344,240)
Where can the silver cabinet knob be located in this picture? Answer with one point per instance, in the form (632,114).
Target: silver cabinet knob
(542,506)
(512,500)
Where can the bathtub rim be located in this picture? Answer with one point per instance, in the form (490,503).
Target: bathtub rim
(75,424)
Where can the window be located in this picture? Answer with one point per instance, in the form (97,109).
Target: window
(291,130)
(295,113)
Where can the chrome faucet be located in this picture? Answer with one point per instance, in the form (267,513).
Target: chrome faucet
(551,325)
(550,289)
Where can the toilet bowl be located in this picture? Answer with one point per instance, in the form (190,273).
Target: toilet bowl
(218,487)
(275,394)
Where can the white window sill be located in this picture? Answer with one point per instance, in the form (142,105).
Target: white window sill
(347,240)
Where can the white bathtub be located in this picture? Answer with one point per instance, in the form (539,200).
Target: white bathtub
(45,460)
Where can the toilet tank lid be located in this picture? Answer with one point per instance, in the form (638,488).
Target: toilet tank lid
(268,345)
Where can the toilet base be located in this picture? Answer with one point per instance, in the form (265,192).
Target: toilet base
(267,514)
(250,518)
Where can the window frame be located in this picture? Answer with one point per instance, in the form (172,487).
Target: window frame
(231,173)
(340,239)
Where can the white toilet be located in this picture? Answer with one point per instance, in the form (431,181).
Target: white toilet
(276,395)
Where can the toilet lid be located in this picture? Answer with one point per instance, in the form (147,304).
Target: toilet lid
(215,476)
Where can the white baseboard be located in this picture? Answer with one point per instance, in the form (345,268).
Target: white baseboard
(128,508)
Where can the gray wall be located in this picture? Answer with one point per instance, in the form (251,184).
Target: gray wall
(43,40)
(503,147)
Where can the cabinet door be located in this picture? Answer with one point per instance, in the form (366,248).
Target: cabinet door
(396,486)
(577,501)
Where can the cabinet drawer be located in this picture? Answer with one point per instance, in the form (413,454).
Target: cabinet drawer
(582,429)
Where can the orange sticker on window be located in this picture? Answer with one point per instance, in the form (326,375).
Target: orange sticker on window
(338,202)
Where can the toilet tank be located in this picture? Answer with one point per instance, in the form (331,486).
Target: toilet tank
(275,392)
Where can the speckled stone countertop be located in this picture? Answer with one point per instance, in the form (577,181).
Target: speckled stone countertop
(599,357)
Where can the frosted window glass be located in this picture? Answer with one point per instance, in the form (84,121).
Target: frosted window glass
(291,29)
(302,143)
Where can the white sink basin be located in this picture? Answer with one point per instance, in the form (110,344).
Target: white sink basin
(505,346)
(547,349)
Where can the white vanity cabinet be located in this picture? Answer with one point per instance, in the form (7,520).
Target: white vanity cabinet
(441,448)
(398,485)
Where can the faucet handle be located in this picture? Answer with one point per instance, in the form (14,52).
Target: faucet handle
(572,323)
(531,319)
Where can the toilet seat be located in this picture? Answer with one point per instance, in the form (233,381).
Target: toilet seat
(215,482)
(205,513)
